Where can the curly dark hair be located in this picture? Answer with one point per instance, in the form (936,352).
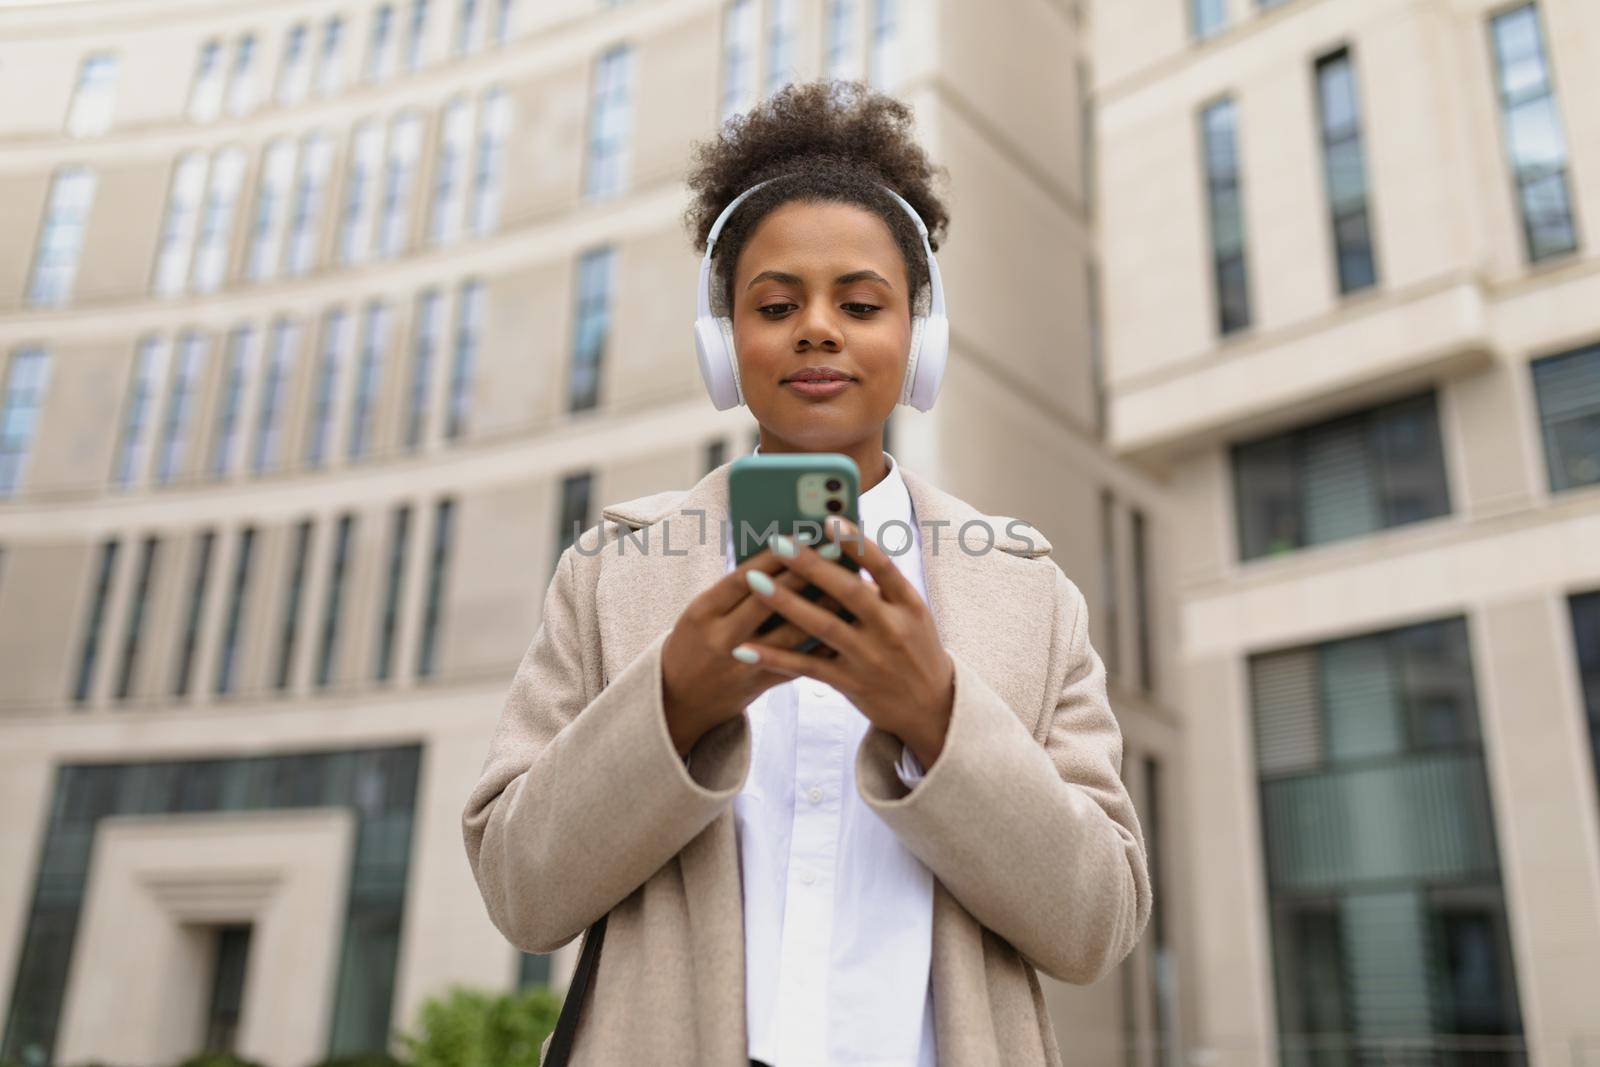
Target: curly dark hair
(829,141)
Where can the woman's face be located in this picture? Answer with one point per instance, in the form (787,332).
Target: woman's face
(821,285)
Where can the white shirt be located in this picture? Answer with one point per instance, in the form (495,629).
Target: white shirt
(838,914)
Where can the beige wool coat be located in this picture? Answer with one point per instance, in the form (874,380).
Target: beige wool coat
(585,807)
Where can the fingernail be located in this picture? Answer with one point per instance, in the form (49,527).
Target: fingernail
(746,654)
(759,582)
(829,551)
(782,546)
(806,537)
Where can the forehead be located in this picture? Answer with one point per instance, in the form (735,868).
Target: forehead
(821,236)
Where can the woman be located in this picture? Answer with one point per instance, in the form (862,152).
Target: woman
(862,855)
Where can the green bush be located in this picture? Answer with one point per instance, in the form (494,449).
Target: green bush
(473,1028)
(217,1059)
(364,1059)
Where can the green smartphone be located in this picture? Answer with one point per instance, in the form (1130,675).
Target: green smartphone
(788,493)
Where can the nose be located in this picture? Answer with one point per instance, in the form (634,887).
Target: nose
(817,327)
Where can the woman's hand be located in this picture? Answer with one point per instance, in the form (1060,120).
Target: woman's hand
(889,662)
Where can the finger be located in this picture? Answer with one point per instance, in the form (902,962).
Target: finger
(753,611)
(849,588)
(800,664)
(812,619)
(723,595)
(895,586)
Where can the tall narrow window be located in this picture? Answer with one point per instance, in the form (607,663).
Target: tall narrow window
(272,199)
(883,65)
(1344,170)
(238,601)
(501,31)
(186,372)
(424,351)
(1163,972)
(319,428)
(575,492)
(176,245)
(1218,127)
(305,214)
(450,177)
(469,26)
(100,597)
(95,98)
(293,593)
(363,410)
(782,16)
(1141,603)
(1586,635)
(1207,17)
(383,50)
(1110,586)
(327,654)
(416,34)
(842,40)
(205,94)
(66,218)
(193,614)
(489,164)
(355,226)
(433,606)
(399,178)
(389,625)
(469,327)
(133,629)
(1534,135)
(330,64)
(1568,388)
(149,371)
(294,69)
(27,377)
(216,219)
(593,325)
(274,395)
(740,32)
(610,123)
(230,405)
(242,80)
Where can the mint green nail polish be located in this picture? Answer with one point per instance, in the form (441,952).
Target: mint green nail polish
(829,550)
(759,582)
(782,546)
(806,537)
(746,654)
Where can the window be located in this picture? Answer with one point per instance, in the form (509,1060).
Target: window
(178,225)
(230,405)
(374,342)
(1344,171)
(1219,127)
(469,329)
(418,30)
(383,50)
(842,51)
(1534,135)
(716,454)
(1207,17)
(294,69)
(1163,972)
(1586,635)
(205,94)
(739,35)
(490,163)
(1379,844)
(95,98)
(1568,388)
(433,608)
(355,227)
(242,82)
(216,219)
(610,123)
(502,21)
(883,64)
(469,27)
(238,600)
(1340,479)
(99,598)
(575,490)
(330,64)
(27,376)
(1097,349)
(1141,603)
(328,653)
(135,624)
(272,197)
(1110,585)
(316,161)
(66,217)
(424,350)
(450,180)
(193,614)
(592,326)
(289,628)
(319,430)
(149,371)
(274,395)
(399,533)
(782,16)
(192,351)
(400,174)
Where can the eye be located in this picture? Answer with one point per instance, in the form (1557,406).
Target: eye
(769,307)
(869,307)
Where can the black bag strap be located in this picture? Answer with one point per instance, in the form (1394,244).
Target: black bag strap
(567,1024)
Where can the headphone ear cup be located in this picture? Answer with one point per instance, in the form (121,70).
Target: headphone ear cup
(919,325)
(933,353)
(713,342)
(726,324)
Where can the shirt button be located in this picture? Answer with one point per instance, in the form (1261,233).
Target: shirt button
(815,794)
(808,878)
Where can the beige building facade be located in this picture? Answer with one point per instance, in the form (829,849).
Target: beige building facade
(321,325)
(1351,264)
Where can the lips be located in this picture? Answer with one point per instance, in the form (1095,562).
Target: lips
(819,374)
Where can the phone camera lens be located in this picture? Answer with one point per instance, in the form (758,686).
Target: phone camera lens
(834,485)
(835,505)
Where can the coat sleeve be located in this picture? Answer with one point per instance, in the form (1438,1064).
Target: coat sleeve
(1038,841)
(582,799)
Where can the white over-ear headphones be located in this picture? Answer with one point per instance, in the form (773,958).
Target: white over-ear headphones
(930,328)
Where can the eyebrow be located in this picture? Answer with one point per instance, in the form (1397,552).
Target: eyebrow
(843,279)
